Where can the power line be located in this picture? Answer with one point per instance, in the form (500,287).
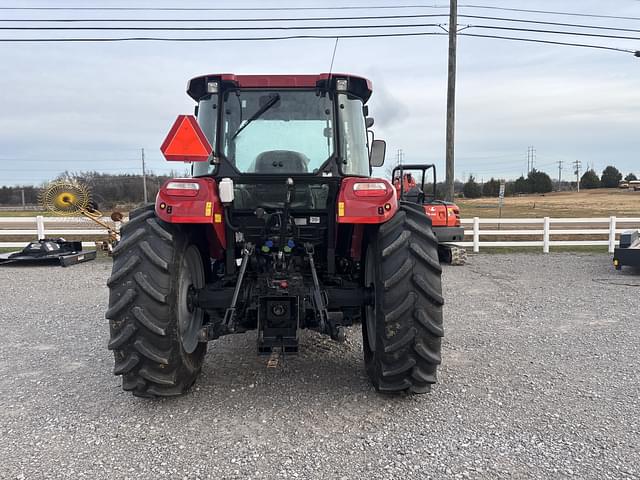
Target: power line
(328,8)
(312,27)
(228,9)
(135,169)
(251,19)
(558,24)
(283,27)
(551,12)
(315,27)
(558,32)
(291,19)
(302,19)
(300,37)
(220,39)
(92,159)
(553,42)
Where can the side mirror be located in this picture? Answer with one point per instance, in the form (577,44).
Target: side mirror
(378,150)
(368,121)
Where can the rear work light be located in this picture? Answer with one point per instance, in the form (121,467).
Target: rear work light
(182,189)
(370,189)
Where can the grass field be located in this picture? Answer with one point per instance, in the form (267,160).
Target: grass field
(25,213)
(590,203)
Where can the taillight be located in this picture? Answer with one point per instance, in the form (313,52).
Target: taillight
(454,212)
(370,189)
(182,189)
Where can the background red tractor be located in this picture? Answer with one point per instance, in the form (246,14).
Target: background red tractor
(280,228)
(417,183)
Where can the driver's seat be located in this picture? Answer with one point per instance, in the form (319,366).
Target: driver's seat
(414,195)
(281,161)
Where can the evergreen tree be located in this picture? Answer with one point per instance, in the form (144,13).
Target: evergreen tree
(590,179)
(539,182)
(472,189)
(491,188)
(521,185)
(611,177)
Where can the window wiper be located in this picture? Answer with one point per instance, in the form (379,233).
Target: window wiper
(258,113)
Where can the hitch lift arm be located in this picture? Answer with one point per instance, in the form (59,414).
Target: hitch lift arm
(329,321)
(229,316)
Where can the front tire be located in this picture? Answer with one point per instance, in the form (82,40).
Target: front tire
(153,331)
(403,328)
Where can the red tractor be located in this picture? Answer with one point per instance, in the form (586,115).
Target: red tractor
(445,216)
(280,227)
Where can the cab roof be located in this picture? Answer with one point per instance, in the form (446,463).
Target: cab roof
(359,86)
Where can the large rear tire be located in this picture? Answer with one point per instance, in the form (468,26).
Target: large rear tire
(402,330)
(153,329)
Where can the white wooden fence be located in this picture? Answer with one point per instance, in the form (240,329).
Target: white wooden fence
(605,228)
(76,226)
(542,227)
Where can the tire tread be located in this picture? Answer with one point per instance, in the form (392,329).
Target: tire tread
(142,312)
(409,325)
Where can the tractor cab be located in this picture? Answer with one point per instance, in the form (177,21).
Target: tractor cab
(283,124)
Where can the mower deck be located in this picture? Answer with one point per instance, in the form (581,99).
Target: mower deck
(49,252)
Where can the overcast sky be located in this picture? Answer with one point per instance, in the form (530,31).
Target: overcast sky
(92,106)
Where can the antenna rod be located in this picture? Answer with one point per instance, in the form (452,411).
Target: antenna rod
(335,47)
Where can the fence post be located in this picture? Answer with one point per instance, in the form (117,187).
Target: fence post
(40,226)
(545,235)
(612,234)
(476,234)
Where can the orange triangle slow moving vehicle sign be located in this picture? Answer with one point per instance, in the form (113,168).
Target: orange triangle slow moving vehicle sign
(186,141)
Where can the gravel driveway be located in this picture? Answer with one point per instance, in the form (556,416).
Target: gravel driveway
(539,381)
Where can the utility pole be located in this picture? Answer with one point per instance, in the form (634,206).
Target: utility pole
(559,173)
(144,178)
(24,207)
(451,99)
(577,164)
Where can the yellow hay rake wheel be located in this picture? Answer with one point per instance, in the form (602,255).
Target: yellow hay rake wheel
(65,198)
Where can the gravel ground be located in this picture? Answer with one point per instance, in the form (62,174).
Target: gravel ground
(538,381)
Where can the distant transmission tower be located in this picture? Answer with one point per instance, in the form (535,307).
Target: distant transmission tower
(531,158)
(560,162)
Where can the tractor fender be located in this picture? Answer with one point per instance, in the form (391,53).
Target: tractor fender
(366,201)
(193,201)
